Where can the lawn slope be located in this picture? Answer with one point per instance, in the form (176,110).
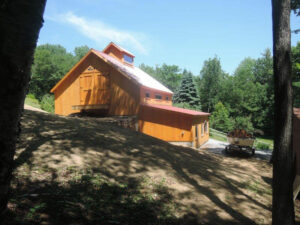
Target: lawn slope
(86,171)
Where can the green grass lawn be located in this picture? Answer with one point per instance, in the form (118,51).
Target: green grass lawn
(32,102)
(260,143)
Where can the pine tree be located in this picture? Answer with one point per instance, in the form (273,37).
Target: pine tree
(187,93)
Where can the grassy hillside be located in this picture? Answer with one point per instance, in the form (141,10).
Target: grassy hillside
(85,171)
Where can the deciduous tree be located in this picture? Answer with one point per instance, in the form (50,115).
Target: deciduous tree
(283,163)
(20,23)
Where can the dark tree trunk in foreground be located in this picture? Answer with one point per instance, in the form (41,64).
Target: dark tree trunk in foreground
(283,160)
(20,23)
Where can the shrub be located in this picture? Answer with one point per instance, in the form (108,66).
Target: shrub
(32,101)
(47,103)
(186,105)
(263,146)
(243,123)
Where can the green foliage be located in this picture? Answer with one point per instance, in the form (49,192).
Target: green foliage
(243,123)
(51,63)
(296,62)
(220,119)
(210,83)
(295,6)
(187,93)
(47,103)
(169,75)
(262,146)
(186,105)
(81,51)
(32,101)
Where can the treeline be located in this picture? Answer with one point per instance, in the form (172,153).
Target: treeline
(51,63)
(243,99)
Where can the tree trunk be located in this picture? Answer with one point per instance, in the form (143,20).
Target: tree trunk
(20,23)
(283,160)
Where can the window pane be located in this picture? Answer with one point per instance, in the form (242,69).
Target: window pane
(128,58)
(158,96)
(147,95)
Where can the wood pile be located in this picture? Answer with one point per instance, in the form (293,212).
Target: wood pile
(239,133)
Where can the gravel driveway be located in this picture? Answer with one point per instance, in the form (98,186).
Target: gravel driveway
(218,147)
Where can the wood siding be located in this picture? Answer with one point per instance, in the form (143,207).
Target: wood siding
(114,52)
(172,126)
(100,85)
(166,97)
(202,132)
(165,125)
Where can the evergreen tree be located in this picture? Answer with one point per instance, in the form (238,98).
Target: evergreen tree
(187,93)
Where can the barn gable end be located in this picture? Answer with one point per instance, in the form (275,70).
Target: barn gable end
(95,85)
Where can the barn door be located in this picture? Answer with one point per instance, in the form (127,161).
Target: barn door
(94,87)
(102,88)
(86,88)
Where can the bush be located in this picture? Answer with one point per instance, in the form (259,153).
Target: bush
(32,101)
(243,123)
(47,103)
(220,119)
(262,146)
(186,105)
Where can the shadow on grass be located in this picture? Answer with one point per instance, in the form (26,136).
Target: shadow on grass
(88,199)
(115,194)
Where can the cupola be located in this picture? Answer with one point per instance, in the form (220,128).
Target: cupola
(119,53)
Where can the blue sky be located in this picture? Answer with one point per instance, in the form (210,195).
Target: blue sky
(184,33)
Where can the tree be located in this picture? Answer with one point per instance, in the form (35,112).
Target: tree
(51,63)
(296,62)
(283,162)
(263,73)
(220,119)
(211,76)
(169,75)
(80,52)
(19,24)
(187,93)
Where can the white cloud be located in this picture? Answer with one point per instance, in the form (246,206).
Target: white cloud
(101,32)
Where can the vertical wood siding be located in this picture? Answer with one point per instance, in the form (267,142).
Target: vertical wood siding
(102,85)
(165,125)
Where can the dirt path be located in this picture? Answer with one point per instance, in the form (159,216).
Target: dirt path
(28,107)
(202,187)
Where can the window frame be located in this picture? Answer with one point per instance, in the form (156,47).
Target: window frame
(161,97)
(125,56)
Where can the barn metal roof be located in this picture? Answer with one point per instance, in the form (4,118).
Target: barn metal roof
(176,109)
(132,72)
(136,73)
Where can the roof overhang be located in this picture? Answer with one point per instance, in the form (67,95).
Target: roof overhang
(189,112)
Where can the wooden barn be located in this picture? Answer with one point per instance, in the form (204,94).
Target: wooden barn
(108,83)
(296,148)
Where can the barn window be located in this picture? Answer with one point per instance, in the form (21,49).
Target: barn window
(128,58)
(196,131)
(205,127)
(158,96)
(90,68)
(167,97)
(147,95)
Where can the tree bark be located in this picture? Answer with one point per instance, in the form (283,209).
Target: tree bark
(283,160)
(20,23)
